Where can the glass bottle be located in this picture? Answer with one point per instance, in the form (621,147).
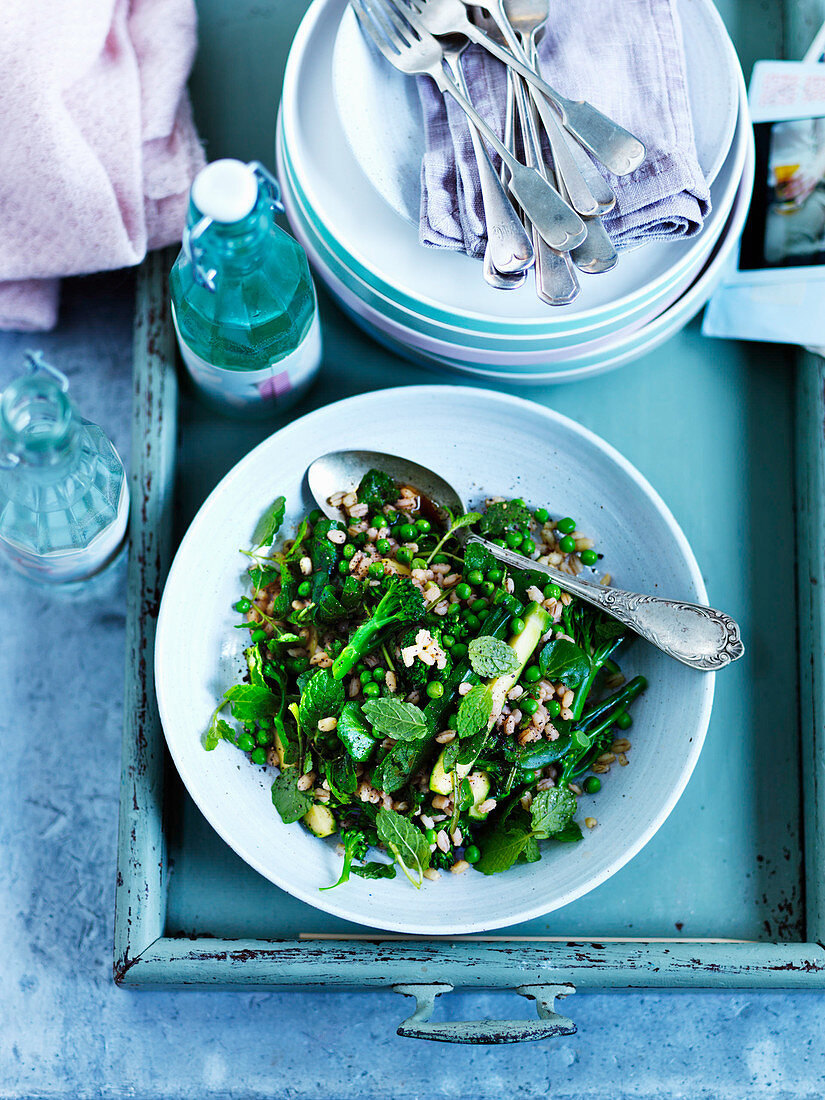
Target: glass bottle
(64,500)
(243,300)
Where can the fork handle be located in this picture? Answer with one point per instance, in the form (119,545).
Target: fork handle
(558,223)
(511,250)
(610,143)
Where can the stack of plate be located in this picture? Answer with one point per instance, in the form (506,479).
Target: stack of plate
(349,128)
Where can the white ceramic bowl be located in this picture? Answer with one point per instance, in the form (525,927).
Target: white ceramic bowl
(483,442)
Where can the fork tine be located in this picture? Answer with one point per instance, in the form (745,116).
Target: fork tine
(368,26)
(381,32)
(402,18)
(406,10)
(395,30)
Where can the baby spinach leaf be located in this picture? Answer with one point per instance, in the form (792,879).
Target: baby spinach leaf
(341,777)
(551,811)
(475,711)
(396,767)
(492,657)
(564,660)
(502,848)
(407,843)
(322,697)
(270,523)
(290,803)
(395,718)
(375,870)
(354,733)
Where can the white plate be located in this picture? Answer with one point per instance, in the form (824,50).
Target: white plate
(514,365)
(539,455)
(380,111)
(384,249)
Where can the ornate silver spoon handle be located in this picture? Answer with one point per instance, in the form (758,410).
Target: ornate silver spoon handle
(701,637)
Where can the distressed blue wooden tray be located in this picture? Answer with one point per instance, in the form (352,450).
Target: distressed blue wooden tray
(730,891)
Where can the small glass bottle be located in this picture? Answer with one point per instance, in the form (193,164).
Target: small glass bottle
(243,300)
(64,500)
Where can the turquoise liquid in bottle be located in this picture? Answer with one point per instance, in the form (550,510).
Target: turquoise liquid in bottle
(64,501)
(243,301)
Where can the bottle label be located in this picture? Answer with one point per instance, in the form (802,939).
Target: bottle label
(76,563)
(279,384)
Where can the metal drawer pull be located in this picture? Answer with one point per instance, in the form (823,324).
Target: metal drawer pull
(548,1025)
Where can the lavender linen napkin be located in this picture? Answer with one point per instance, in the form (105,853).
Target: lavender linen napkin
(624,56)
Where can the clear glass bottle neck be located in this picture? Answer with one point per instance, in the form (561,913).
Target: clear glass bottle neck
(38,423)
(235,246)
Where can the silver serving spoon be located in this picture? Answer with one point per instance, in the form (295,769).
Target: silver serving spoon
(698,636)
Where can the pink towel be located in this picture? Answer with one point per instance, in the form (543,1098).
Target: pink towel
(97,143)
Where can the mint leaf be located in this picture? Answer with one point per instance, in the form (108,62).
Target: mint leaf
(219,730)
(569,835)
(251,701)
(290,803)
(501,849)
(407,843)
(530,852)
(322,697)
(270,523)
(472,748)
(375,870)
(492,657)
(467,520)
(395,718)
(552,811)
(396,767)
(477,556)
(564,660)
(475,711)
(451,754)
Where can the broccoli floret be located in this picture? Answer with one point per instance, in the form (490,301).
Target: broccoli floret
(418,673)
(507,515)
(377,488)
(401,603)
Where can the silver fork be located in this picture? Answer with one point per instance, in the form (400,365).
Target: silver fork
(491,276)
(413,50)
(608,142)
(511,250)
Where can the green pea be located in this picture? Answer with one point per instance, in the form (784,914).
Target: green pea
(589,557)
(529,706)
(448,640)
(366,676)
(265,723)
(498,542)
(243,604)
(514,539)
(348,550)
(483,613)
(246,742)
(258,635)
(429,835)
(478,605)
(454,609)
(315,515)
(495,575)
(567,545)
(407,532)
(531,675)
(424,526)
(463,591)
(435,689)
(419,563)
(624,721)
(343,567)
(529,776)
(487,588)
(475,576)
(551,592)
(517,625)
(459,650)
(383,546)
(371,690)
(553,707)
(441,559)
(403,555)
(376,569)
(472,854)
(258,755)
(592,784)
(527,547)
(567,525)
(541,515)
(379,675)
(263,737)
(472,620)
(304,588)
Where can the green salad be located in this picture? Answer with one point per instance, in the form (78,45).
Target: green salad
(435,709)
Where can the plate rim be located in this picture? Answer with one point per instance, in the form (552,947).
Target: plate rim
(328,903)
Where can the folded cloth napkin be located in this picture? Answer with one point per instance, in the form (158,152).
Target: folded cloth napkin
(97,147)
(626,57)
